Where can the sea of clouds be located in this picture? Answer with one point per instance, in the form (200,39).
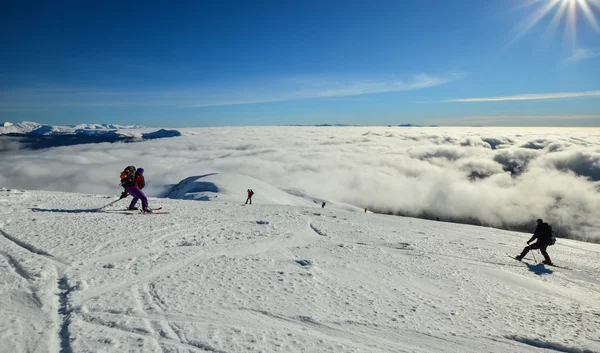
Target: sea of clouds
(499,177)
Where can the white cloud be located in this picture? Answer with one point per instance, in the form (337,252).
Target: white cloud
(581,54)
(527,97)
(511,119)
(371,87)
(42,97)
(453,173)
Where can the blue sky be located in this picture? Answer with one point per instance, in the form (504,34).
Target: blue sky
(201,63)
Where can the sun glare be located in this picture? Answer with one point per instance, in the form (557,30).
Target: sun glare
(560,11)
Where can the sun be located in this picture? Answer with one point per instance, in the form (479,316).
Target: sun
(560,11)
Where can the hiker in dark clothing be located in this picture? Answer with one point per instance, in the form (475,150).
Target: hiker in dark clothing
(543,234)
(250,193)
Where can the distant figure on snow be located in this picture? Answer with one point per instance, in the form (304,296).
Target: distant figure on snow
(323,204)
(133,181)
(543,234)
(250,193)
(365,210)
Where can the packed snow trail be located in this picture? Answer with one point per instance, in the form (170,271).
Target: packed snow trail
(222,277)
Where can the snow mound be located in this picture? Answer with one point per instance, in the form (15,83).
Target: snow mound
(229,187)
(226,187)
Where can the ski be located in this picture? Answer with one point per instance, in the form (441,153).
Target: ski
(512,257)
(128,210)
(148,213)
(557,266)
(153,209)
(539,263)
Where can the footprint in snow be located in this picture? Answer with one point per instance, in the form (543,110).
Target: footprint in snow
(304,263)
(402,246)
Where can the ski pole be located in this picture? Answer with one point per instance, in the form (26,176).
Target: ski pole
(534,259)
(111,203)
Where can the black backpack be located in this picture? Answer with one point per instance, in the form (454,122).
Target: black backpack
(128,176)
(551,235)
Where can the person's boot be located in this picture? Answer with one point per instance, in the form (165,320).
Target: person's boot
(147,210)
(522,254)
(547,262)
(132,208)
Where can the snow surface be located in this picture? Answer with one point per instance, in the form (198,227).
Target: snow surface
(227,277)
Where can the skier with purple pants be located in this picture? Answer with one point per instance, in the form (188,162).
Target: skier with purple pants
(133,186)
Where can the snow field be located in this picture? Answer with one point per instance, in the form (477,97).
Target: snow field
(227,277)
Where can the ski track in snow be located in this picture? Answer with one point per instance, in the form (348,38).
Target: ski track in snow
(216,277)
(60,303)
(548,345)
(15,265)
(29,247)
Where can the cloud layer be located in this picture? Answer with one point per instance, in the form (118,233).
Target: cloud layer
(41,97)
(500,177)
(514,120)
(581,54)
(527,97)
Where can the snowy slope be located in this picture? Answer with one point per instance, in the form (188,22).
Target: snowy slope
(231,187)
(225,277)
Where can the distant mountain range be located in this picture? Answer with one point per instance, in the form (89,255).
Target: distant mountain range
(37,129)
(35,136)
(415,125)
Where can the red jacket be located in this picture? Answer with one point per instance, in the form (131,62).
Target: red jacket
(140,182)
(250,193)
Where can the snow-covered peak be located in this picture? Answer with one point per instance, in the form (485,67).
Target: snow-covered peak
(104,127)
(86,133)
(46,130)
(37,129)
(23,127)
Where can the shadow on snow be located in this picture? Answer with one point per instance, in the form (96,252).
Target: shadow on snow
(538,269)
(60,210)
